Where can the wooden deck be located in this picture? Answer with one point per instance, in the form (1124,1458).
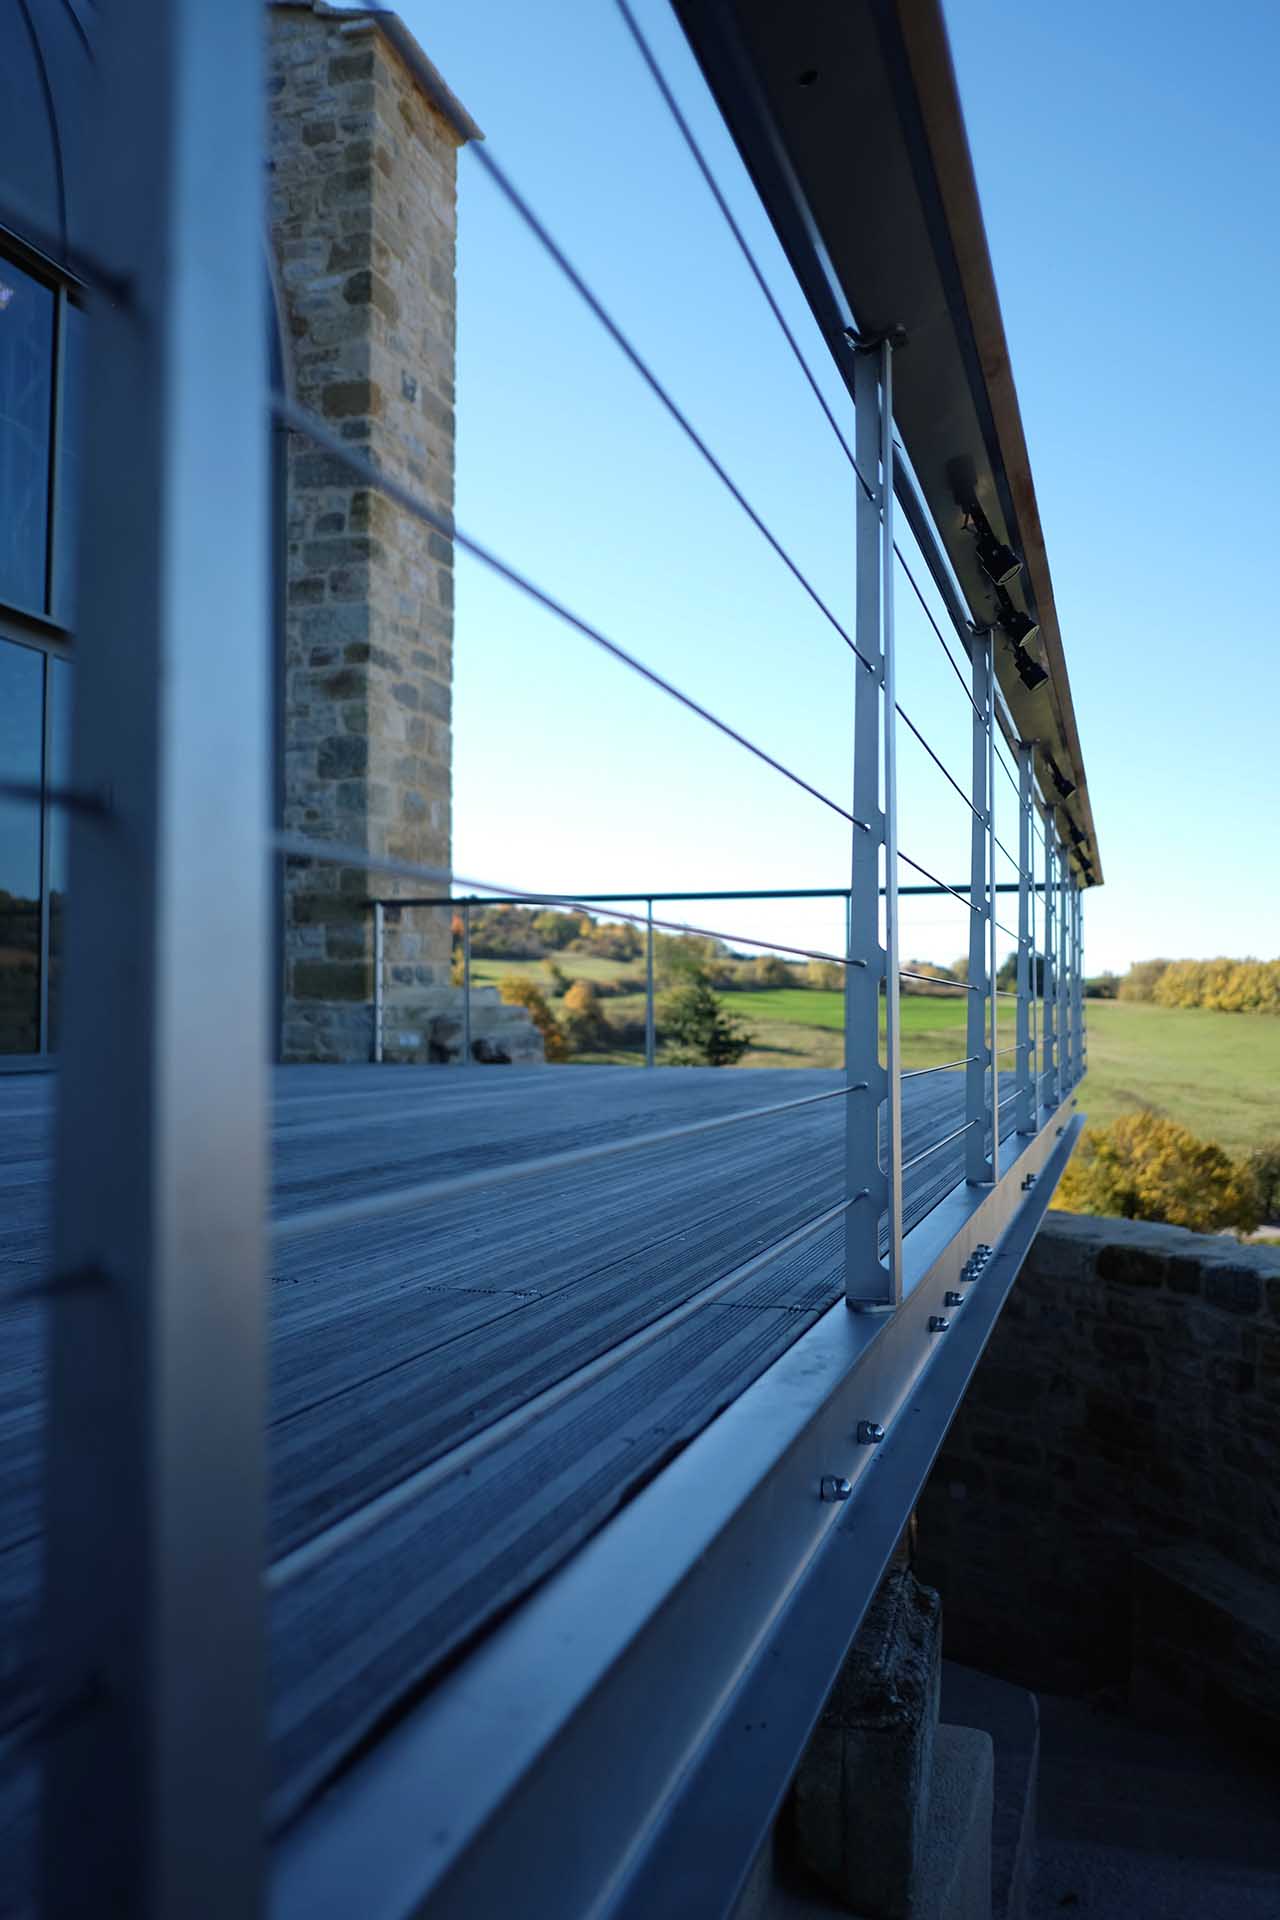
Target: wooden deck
(463,1390)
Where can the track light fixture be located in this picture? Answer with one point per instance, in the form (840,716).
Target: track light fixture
(1000,563)
(1019,629)
(1030,672)
(1065,787)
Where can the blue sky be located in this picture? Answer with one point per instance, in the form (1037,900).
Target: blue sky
(1129,180)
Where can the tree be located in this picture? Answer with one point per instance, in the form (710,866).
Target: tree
(1263,1167)
(704,1034)
(1144,1167)
(554,929)
(584,1022)
(770,970)
(518,990)
(558,980)
(1141,980)
(826,975)
(1102,986)
(678,957)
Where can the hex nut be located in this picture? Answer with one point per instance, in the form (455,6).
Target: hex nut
(870,1433)
(835,1487)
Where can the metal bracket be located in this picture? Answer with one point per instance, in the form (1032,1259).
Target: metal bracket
(871,342)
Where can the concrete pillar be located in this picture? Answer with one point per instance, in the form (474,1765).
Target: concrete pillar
(862,1793)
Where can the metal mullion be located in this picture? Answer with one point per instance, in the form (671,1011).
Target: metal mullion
(55,444)
(155,1461)
(1026,1110)
(977,1164)
(866,1282)
(46,827)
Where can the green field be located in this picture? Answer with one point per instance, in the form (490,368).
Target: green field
(1216,1073)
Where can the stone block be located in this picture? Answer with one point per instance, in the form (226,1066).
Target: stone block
(862,1790)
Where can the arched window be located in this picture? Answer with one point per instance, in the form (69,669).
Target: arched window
(45,64)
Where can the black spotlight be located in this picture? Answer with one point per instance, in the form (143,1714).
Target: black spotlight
(1065,787)
(1019,630)
(1000,563)
(1030,672)
(1018,627)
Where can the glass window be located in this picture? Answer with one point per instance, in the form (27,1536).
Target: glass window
(26,404)
(21,757)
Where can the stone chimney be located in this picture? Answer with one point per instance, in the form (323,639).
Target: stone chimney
(363,226)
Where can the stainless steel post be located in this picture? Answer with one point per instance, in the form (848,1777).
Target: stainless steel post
(892,960)
(1025,1108)
(379,991)
(978,1164)
(1037,958)
(650,1029)
(154,1774)
(1051,1030)
(466,983)
(1077,905)
(868,1283)
(1064,979)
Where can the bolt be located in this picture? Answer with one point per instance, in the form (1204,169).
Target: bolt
(870,1433)
(952,1299)
(835,1487)
(937,1324)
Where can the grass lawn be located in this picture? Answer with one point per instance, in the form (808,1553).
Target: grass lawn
(1216,1073)
(578,966)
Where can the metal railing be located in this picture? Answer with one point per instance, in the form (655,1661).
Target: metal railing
(157,1339)
(462,904)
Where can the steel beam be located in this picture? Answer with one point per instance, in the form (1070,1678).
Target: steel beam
(154,1771)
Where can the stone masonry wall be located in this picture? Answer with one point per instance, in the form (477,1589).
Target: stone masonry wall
(1127,1406)
(363,223)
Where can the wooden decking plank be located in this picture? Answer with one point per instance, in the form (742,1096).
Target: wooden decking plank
(396,1340)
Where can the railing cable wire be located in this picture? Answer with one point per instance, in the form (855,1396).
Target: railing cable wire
(305,423)
(757,272)
(299,846)
(506,186)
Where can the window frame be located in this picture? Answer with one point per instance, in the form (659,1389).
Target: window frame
(40,629)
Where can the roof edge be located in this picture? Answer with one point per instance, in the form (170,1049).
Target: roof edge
(928,50)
